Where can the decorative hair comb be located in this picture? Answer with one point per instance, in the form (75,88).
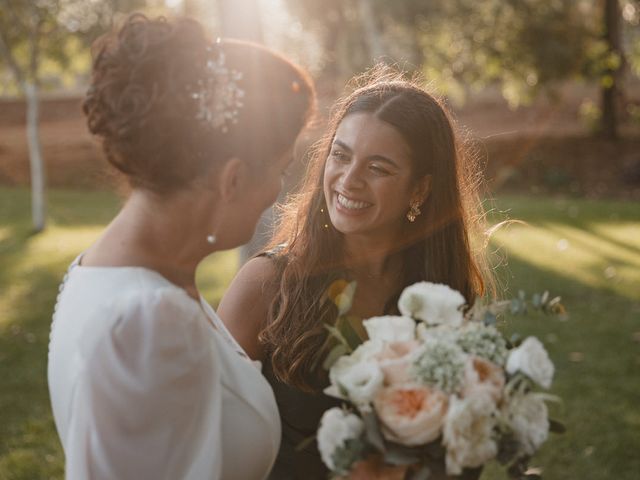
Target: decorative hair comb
(218,93)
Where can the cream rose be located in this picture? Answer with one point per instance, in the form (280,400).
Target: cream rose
(481,375)
(468,432)
(390,328)
(411,414)
(433,303)
(532,359)
(394,359)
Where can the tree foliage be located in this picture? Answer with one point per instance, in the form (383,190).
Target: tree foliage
(46,41)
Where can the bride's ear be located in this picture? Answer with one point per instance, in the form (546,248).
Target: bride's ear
(231,179)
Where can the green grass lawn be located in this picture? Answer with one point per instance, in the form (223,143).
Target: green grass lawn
(586,251)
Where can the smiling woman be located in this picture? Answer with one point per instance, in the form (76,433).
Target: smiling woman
(389,200)
(368,179)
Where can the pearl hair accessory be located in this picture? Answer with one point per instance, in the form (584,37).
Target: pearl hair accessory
(211,239)
(218,94)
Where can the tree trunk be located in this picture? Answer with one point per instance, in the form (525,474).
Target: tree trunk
(38,206)
(611,87)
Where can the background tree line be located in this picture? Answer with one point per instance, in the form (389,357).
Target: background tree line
(523,47)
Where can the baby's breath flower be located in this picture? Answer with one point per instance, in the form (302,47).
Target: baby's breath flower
(440,364)
(483,341)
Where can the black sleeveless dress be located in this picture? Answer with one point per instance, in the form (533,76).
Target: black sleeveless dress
(300,414)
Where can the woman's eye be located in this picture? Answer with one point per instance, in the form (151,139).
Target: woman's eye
(338,155)
(379,170)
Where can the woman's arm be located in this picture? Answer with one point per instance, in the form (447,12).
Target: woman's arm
(245,305)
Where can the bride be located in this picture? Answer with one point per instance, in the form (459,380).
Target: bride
(145,382)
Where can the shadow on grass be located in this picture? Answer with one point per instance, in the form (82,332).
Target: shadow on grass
(596,363)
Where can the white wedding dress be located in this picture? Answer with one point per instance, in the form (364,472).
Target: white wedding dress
(146,383)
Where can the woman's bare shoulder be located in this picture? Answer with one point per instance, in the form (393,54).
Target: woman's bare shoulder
(245,306)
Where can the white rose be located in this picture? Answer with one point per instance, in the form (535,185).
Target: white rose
(367,350)
(390,328)
(336,427)
(532,359)
(355,380)
(528,417)
(468,433)
(433,303)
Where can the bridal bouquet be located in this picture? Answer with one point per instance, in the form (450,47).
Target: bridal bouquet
(436,383)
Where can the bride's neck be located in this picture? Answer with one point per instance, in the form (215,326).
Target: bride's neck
(153,232)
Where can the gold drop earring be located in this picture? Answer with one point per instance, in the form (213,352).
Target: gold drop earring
(414,211)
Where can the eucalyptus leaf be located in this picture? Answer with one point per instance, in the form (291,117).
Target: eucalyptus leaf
(373,434)
(349,453)
(400,455)
(515,306)
(489,319)
(536,300)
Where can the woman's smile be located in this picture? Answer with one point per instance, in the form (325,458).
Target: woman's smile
(350,205)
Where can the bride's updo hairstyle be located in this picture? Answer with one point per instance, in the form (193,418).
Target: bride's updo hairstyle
(169,104)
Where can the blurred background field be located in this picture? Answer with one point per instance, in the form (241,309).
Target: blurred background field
(537,85)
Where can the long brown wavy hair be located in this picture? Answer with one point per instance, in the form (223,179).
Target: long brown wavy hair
(438,247)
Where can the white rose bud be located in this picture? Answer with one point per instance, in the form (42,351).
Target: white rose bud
(358,381)
(433,303)
(532,359)
(336,427)
(390,328)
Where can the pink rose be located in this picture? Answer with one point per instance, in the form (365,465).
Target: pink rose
(411,414)
(395,359)
(481,374)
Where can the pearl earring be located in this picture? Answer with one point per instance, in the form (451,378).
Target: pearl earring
(211,239)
